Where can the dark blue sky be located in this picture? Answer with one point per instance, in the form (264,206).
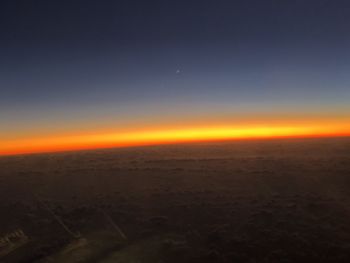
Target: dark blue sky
(122,61)
(73,24)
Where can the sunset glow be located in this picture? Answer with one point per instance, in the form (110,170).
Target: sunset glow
(156,73)
(170,135)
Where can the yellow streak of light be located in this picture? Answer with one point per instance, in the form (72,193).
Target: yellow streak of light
(149,137)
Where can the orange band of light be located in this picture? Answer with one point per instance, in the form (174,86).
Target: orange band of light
(160,136)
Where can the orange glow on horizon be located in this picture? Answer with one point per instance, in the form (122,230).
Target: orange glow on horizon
(170,135)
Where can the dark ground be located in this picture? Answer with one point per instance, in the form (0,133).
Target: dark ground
(248,201)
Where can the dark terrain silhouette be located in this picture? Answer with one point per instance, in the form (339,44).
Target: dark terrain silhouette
(246,201)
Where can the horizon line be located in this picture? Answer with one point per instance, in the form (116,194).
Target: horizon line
(142,138)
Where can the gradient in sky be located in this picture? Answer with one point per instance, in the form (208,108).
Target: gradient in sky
(79,74)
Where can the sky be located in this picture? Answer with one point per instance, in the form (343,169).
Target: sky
(88,74)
